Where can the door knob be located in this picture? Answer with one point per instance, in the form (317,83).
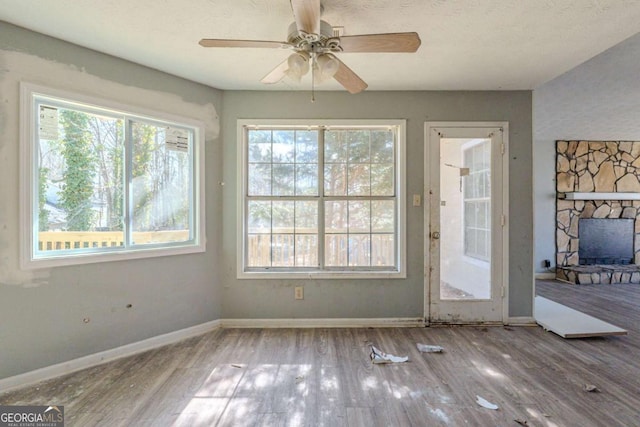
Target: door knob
(435,235)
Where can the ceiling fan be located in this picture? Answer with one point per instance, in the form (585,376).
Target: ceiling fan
(314,46)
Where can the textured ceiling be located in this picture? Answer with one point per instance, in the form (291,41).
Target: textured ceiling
(466,44)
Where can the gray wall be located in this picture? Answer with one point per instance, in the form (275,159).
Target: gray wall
(41,312)
(598,100)
(379,298)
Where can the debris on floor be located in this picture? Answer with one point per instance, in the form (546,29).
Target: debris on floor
(590,388)
(379,356)
(426,348)
(521,422)
(485,403)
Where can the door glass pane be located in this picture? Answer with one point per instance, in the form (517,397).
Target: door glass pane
(465,218)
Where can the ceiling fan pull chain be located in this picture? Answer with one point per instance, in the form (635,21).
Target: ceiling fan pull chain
(313,77)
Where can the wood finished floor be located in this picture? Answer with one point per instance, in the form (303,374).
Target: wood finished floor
(323,377)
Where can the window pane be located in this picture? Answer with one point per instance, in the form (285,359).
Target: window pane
(359,217)
(470,241)
(306,146)
(259,149)
(283,180)
(283,216)
(382,146)
(336,219)
(259,250)
(482,214)
(306,217)
(359,250)
(336,250)
(335,150)
(359,180)
(283,146)
(160,186)
(335,180)
(306,180)
(259,218)
(306,251)
(382,250)
(282,250)
(383,216)
(80,181)
(382,182)
(358,141)
(469,214)
(259,179)
(487,184)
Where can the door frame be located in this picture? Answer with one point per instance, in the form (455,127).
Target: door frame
(502,209)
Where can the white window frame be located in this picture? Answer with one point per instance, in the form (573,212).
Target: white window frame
(29,259)
(473,258)
(399,271)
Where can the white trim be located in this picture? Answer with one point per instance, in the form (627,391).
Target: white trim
(507,220)
(99,358)
(27,176)
(501,209)
(599,196)
(545,276)
(521,321)
(391,322)
(400,272)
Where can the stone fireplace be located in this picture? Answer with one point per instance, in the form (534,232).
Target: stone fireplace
(597,180)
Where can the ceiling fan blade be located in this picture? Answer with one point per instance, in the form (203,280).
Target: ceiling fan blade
(390,42)
(347,78)
(242,43)
(307,15)
(277,73)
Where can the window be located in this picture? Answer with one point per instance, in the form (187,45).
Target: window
(321,198)
(104,183)
(477,200)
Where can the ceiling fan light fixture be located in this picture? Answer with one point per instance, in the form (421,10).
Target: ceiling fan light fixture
(327,67)
(298,65)
(314,43)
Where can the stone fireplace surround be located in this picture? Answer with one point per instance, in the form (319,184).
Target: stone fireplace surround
(595,167)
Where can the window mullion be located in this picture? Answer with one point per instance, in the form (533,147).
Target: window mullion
(321,219)
(127,222)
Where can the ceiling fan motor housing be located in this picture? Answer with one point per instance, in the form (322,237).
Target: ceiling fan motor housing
(314,43)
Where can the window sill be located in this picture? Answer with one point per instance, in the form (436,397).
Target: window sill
(124,255)
(320,275)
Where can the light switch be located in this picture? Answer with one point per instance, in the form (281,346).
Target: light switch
(416,200)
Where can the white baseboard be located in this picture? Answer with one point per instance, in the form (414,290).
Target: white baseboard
(90,360)
(521,321)
(392,322)
(545,276)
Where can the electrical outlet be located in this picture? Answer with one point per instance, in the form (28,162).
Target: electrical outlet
(298,292)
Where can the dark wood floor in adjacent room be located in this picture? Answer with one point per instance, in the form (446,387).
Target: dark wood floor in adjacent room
(323,377)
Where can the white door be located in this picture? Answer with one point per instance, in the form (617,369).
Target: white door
(465,230)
